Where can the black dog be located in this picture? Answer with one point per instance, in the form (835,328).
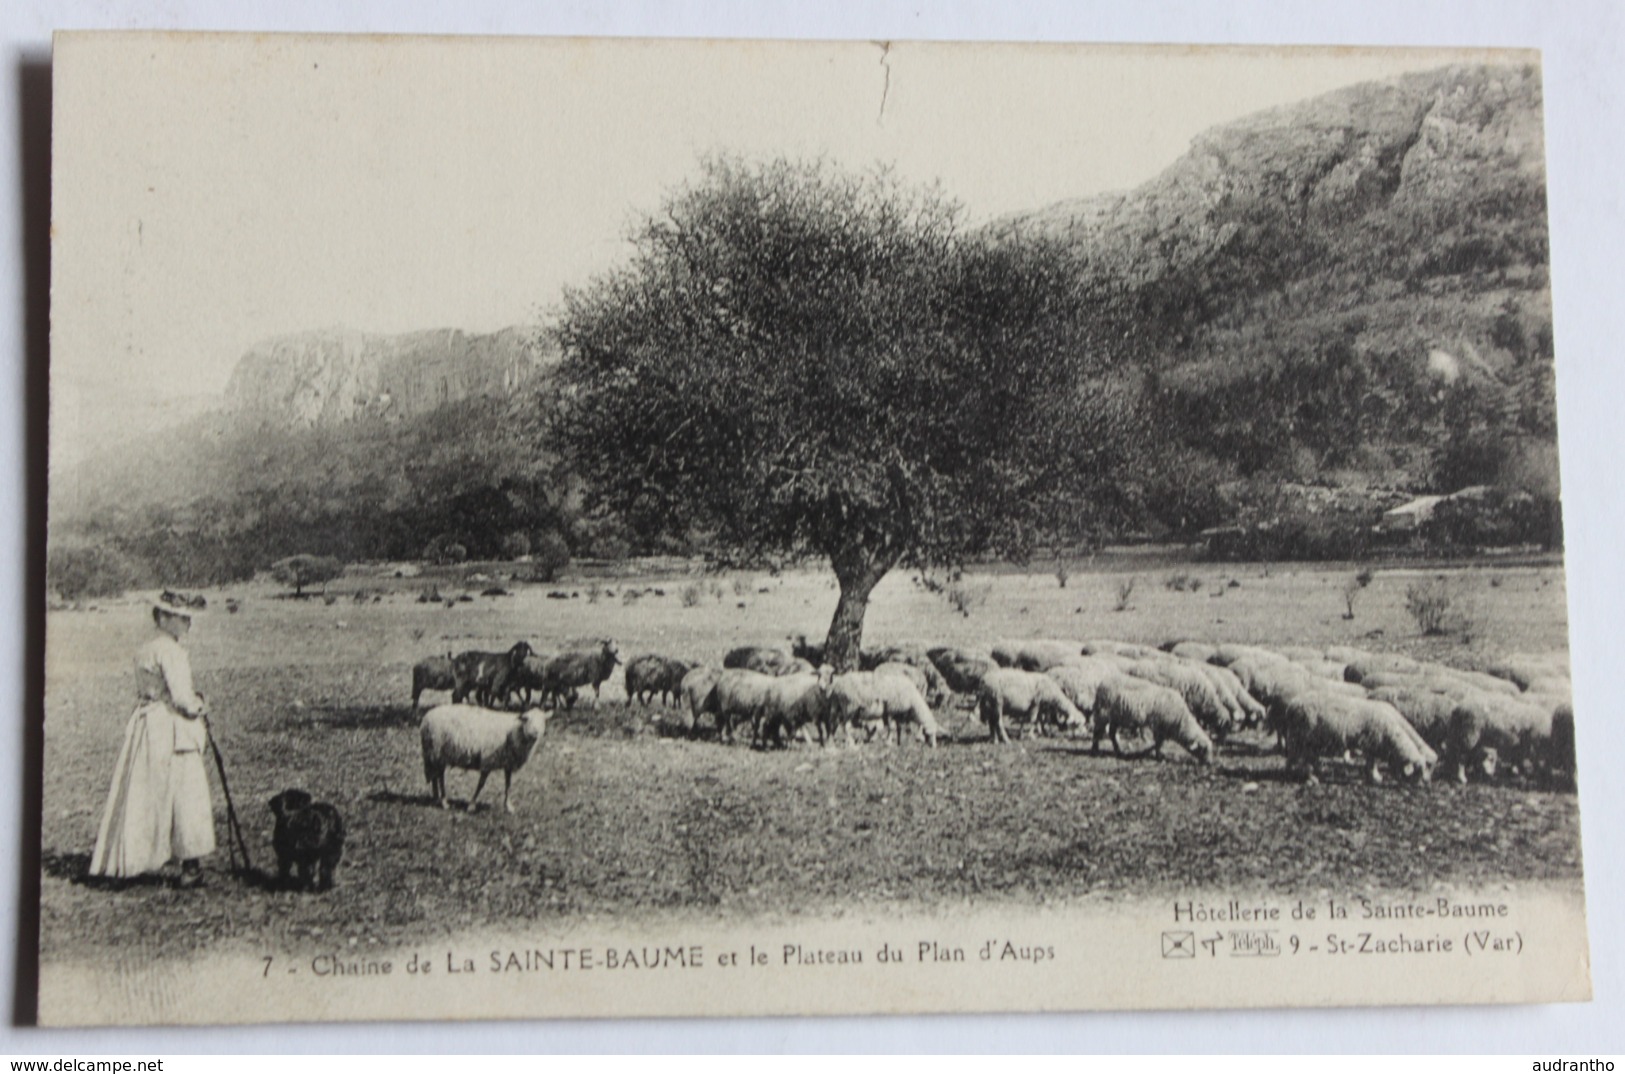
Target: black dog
(309,838)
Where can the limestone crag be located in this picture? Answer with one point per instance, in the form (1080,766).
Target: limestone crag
(333,376)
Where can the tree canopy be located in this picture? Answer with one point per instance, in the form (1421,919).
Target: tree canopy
(804,361)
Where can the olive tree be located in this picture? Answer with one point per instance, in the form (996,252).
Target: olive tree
(305,569)
(799,361)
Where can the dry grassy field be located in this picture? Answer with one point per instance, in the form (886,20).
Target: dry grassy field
(618,815)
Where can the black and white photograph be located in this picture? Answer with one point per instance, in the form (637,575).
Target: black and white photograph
(556,528)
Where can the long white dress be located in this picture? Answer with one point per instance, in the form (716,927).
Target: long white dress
(158,806)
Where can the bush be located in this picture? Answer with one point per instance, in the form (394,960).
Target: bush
(742,585)
(302,570)
(549,555)
(445,548)
(78,572)
(595,592)
(692,594)
(1430,604)
(1125,592)
(1499,518)
(515,546)
(965,596)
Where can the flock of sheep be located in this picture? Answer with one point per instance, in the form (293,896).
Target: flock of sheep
(1390,712)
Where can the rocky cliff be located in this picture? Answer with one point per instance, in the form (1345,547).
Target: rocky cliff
(330,377)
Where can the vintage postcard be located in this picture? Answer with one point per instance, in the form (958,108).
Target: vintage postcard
(609,528)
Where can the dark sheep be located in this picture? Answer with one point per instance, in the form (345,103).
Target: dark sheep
(567,671)
(763,658)
(308,840)
(650,675)
(488,676)
(433,673)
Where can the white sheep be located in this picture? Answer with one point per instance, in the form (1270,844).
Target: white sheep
(737,697)
(874,696)
(1325,724)
(1198,691)
(1129,649)
(475,738)
(1036,654)
(699,688)
(1008,693)
(1486,729)
(1124,703)
(1079,679)
(785,705)
(1244,708)
(1193,650)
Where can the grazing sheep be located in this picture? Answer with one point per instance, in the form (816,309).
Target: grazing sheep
(1200,695)
(699,689)
(1525,669)
(762,658)
(530,679)
(567,671)
(308,840)
(649,675)
(1363,664)
(465,736)
(873,696)
(1129,649)
(1320,725)
(1323,669)
(1124,703)
(1245,710)
(1227,655)
(1301,654)
(797,665)
(432,673)
(487,675)
(935,689)
(1193,650)
(965,676)
(1428,711)
(1008,693)
(737,696)
(1518,733)
(1035,655)
(786,705)
(1080,679)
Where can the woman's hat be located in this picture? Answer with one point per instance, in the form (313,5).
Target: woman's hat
(189,605)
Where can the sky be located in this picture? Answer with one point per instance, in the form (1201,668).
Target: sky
(213,191)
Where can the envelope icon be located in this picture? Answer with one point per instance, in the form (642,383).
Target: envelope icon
(1179,945)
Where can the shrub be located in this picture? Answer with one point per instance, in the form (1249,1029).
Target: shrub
(1430,604)
(631,595)
(692,594)
(1125,592)
(549,555)
(302,570)
(716,589)
(515,546)
(1062,573)
(594,591)
(742,585)
(78,572)
(445,548)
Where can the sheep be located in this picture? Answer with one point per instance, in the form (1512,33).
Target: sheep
(1516,731)
(801,648)
(1364,664)
(699,689)
(1129,649)
(1331,725)
(487,675)
(877,696)
(1244,708)
(965,676)
(530,678)
(786,704)
(1035,655)
(1010,692)
(1323,669)
(738,695)
(1301,654)
(1429,711)
(760,658)
(466,736)
(1524,669)
(567,671)
(1124,703)
(432,673)
(649,675)
(1193,650)
(935,689)
(1227,655)
(1080,679)
(796,665)
(1193,686)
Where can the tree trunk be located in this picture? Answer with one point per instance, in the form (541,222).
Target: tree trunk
(858,574)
